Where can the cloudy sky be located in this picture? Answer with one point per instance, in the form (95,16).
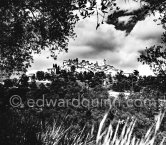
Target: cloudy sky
(107,43)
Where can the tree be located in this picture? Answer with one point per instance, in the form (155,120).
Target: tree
(119,76)
(136,73)
(33,77)
(8,83)
(155,57)
(30,26)
(40,75)
(47,76)
(73,68)
(24,81)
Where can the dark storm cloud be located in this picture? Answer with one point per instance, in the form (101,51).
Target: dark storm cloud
(102,43)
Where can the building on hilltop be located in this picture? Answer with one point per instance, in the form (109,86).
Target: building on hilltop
(87,66)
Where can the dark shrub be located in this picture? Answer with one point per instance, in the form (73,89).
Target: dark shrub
(8,83)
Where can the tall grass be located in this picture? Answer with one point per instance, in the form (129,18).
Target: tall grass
(127,137)
(55,135)
(58,135)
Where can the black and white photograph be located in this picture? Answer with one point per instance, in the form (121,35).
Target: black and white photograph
(82,72)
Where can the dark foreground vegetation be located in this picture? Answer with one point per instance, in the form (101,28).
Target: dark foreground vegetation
(61,123)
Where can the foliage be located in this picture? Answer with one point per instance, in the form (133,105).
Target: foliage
(143,106)
(59,125)
(25,127)
(40,75)
(76,120)
(156,83)
(73,68)
(30,26)
(8,83)
(18,127)
(127,83)
(155,57)
(47,76)
(147,7)
(110,136)
(23,82)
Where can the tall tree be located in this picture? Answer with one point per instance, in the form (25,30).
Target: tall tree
(30,26)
